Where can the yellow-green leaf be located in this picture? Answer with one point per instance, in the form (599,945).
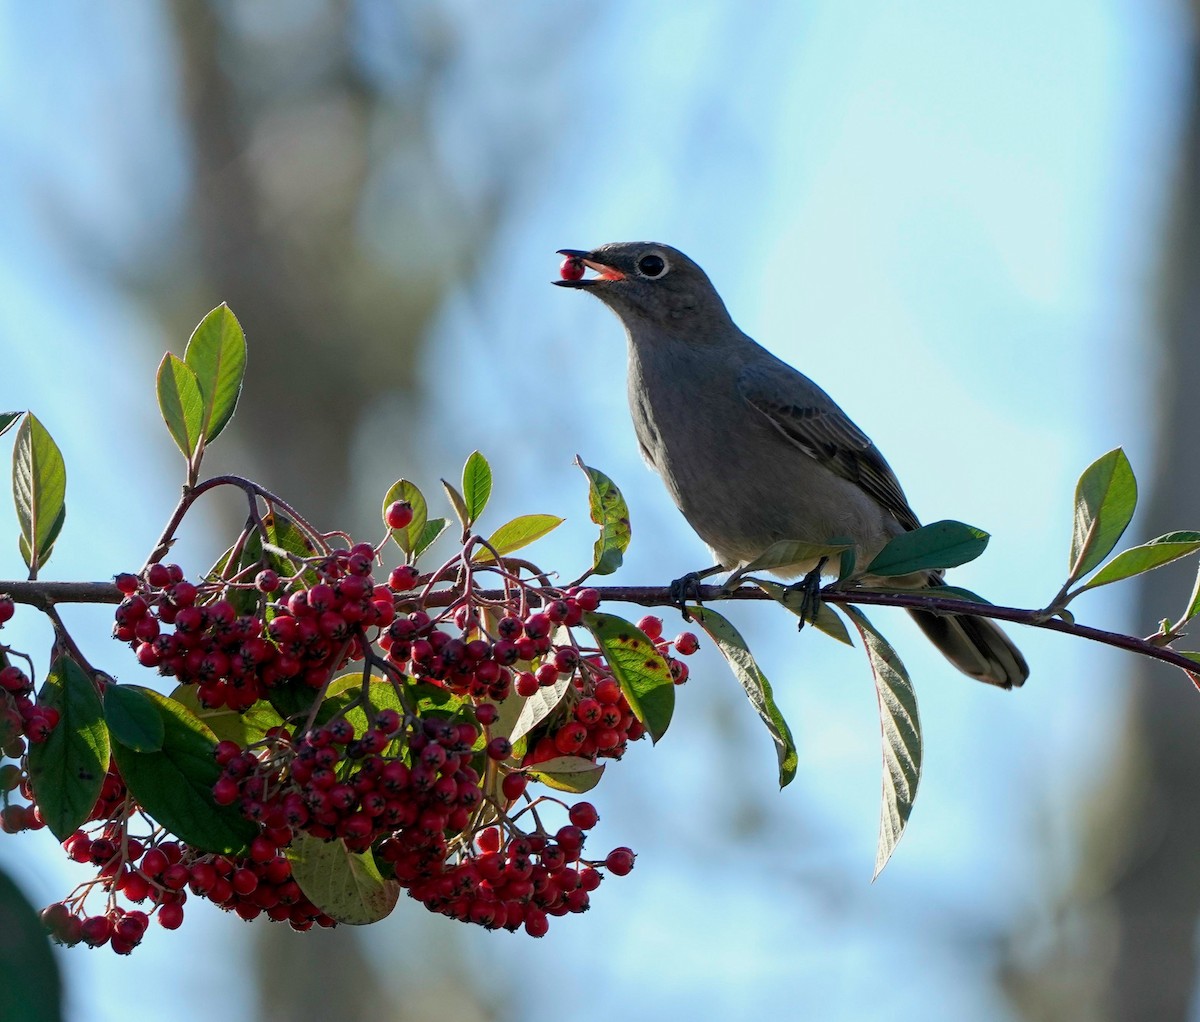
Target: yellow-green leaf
(216,353)
(39,491)
(181,403)
(520,532)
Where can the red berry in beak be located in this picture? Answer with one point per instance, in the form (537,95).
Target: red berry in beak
(571,269)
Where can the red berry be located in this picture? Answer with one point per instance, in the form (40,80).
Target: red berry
(572,268)
(96,930)
(513,786)
(266,581)
(686,643)
(499,748)
(620,861)
(126,583)
(398,515)
(487,714)
(652,626)
(159,577)
(170,916)
(536,923)
(587,599)
(527,684)
(584,815)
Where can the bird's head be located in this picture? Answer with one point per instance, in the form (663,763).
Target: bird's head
(648,283)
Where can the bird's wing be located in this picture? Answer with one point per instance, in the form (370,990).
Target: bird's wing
(808,418)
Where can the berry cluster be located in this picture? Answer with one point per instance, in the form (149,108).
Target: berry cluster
(235,659)
(416,764)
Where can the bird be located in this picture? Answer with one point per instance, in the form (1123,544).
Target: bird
(751,450)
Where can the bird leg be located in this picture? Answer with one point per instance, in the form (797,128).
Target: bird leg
(687,588)
(810,594)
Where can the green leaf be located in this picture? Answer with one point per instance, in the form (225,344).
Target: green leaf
(229,725)
(458,503)
(901,729)
(734,649)
(181,403)
(39,490)
(216,354)
(284,535)
(640,669)
(433,528)
(1105,499)
(67,770)
(7,419)
(520,532)
(608,510)
(345,885)
(788,553)
(476,485)
(346,688)
(174,784)
(567,773)
(30,988)
(1193,605)
(406,538)
(133,718)
(791,597)
(1146,557)
(944,544)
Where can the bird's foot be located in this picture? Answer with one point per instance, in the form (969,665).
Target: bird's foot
(687,587)
(810,595)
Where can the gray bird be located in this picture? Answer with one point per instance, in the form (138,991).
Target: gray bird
(752,451)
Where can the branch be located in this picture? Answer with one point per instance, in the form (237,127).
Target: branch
(45,595)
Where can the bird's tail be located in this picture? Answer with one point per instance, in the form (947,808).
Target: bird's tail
(976,646)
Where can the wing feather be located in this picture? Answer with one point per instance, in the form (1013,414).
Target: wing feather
(807,417)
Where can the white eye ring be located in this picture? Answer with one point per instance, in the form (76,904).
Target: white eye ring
(653,265)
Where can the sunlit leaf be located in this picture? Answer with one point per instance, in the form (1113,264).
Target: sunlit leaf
(901,731)
(1146,557)
(251,725)
(608,510)
(406,538)
(345,885)
(1105,498)
(67,770)
(39,490)
(216,353)
(181,403)
(944,544)
(520,532)
(532,709)
(745,668)
(567,773)
(476,485)
(640,669)
(433,528)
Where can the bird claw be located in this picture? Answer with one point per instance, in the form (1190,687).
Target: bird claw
(683,589)
(810,595)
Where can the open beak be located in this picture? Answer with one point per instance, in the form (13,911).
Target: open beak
(603,271)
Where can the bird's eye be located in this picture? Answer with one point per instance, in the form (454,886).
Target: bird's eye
(652,266)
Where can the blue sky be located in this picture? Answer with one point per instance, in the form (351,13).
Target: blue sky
(946,214)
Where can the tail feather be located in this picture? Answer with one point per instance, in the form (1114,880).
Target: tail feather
(976,646)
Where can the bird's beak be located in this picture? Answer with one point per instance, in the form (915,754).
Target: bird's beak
(604,272)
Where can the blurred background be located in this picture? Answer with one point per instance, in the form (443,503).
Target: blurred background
(976,225)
